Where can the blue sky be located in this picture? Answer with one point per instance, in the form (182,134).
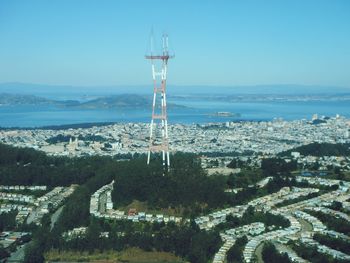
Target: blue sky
(219,42)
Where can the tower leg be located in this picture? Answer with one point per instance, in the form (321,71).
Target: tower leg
(148,157)
(168,159)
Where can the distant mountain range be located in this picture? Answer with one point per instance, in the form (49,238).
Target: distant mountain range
(264,97)
(138,97)
(17,99)
(117,101)
(109,102)
(277,89)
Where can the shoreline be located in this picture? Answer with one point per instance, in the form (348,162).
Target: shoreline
(86,125)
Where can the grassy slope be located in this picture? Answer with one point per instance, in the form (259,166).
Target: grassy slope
(131,255)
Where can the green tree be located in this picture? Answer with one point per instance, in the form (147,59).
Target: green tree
(33,253)
(93,235)
(235,253)
(271,255)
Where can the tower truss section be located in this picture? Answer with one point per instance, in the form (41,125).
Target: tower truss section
(158,136)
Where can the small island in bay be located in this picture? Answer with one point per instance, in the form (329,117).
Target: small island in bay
(225,114)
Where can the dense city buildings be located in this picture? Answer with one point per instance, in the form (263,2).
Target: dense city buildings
(264,137)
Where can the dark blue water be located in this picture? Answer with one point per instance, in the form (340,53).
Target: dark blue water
(197,111)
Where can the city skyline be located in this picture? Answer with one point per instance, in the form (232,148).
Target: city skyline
(226,44)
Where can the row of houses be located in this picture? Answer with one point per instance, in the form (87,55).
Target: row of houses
(318,181)
(101,206)
(22,216)
(324,249)
(249,249)
(80,232)
(9,240)
(335,234)
(284,194)
(24,187)
(17,197)
(96,206)
(213,219)
(220,256)
(56,196)
(22,211)
(341,195)
(139,217)
(317,225)
(8,207)
(336,214)
(252,229)
(30,208)
(230,236)
(323,162)
(346,206)
(49,202)
(290,253)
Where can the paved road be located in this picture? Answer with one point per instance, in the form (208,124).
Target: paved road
(305,226)
(55,216)
(32,216)
(18,255)
(102,203)
(258,253)
(290,252)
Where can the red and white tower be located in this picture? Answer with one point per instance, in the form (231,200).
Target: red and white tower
(158,138)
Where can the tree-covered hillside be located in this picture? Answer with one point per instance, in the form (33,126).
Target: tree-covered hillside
(321,149)
(185,184)
(24,166)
